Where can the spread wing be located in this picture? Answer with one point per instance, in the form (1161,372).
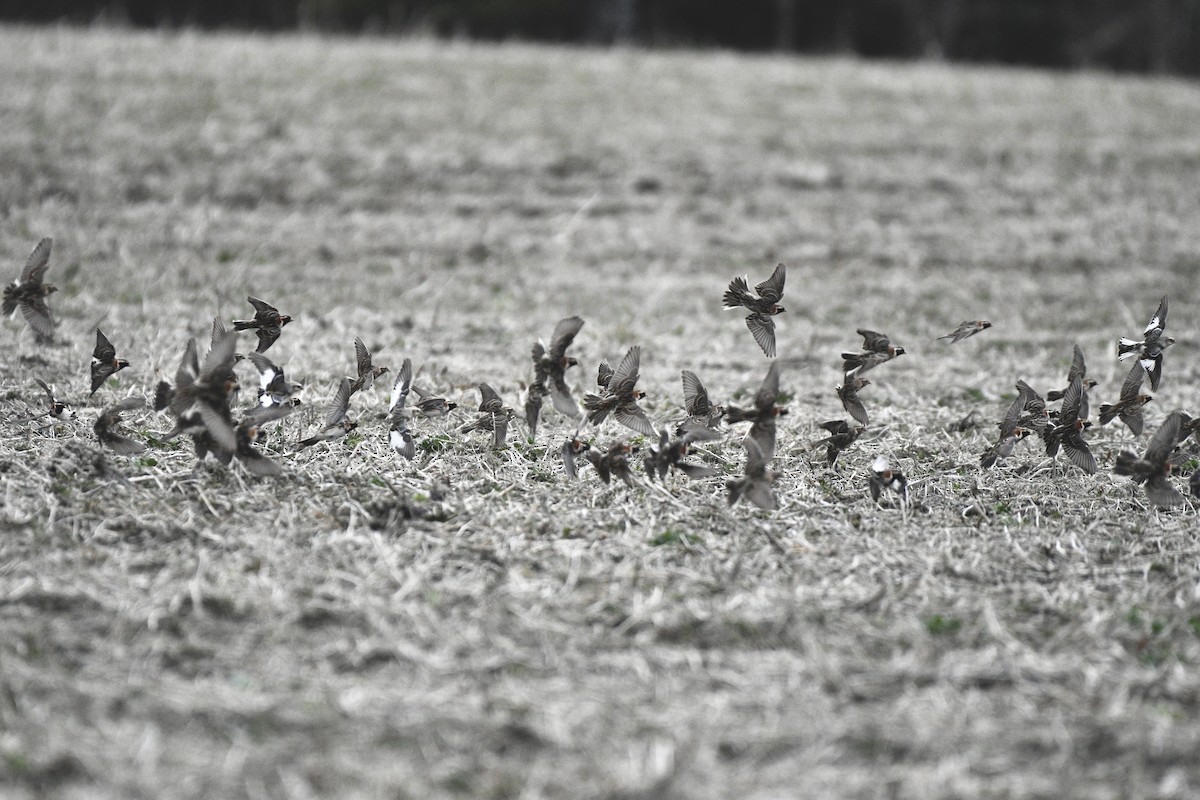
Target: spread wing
(772,288)
(362,356)
(401,387)
(768,392)
(695,398)
(38,261)
(762,328)
(104,352)
(625,376)
(564,334)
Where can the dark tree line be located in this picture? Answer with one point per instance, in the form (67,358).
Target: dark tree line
(1138,35)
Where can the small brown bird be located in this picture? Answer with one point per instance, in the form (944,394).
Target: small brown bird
(884,478)
(1010,430)
(399,436)
(430,406)
(29,293)
(337,424)
(494,416)
(107,425)
(968,328)
(762,308)
(248,433)
(104,361)
(367,372)
(701,412)
(274,389)
(1153,468)
(614,461)
(1129,406)
(572,449)
(549,374)
(764,414)
(200,399)
(267,323)
(1068,433)
(848,394)
(1034,415)
(877,349)
(1078,367)
(621,396)
(841,436)
(757,481)
(667,454)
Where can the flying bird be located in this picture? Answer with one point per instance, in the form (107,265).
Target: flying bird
(877,349)
(200,399)
(1068,432)
(1011,431)
(494,416)
(848,394)
(572,449)
(429,405)
(841,436)
(669,454)
(399,436)
(968,328)
(337,424)
(367,371)
(701,412)
(762,308)
(56,408)
(1153,468)
(1129,406)
(104,361)
(620,397)
(274,389)
(249,430)
(884,478)
(764,413)
(549,374)
(29,292)
(267,323)
(614,461)
(107,427)
(1078,367)
(1149,350)
(756,483)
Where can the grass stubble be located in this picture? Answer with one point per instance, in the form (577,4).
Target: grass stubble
(472,625)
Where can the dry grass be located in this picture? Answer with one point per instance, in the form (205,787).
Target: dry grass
(476,627)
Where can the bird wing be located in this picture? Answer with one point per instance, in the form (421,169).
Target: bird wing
(1078,367)
(768,392)
(362,356)
(762,327)
(1133,383)
(38,316)
(564,334)
(625,376)
(401,387)
(695,397)
(1159,320)
(38,261)
(1164,439)
(104,351)
(772,288)
(335,412)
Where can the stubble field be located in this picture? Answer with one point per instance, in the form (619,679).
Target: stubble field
(472,625)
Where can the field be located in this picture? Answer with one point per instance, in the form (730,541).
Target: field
(471,624)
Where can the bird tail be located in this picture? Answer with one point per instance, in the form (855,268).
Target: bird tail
(1128,348)
(738,294)
(1108,413)
(244,324)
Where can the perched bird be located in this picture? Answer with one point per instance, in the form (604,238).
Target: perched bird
(1149,350)
(54,407)
(1129,406)
(614,461)
(841,436)
(1068,432)
(762,308)
(572,449)
(274,389)
(493,416)
(337,424)
(1010,430)
(756,482)
(620,397)
(877,349)
(29,293)
(549,373)
(1078,367)
(883,477)
(267,323)
(429,405)
(1153,468)
(764,414)
(367,372)
(701,412)
(667,454)
(399,436)
(968,328)
(104,361)
(848,394)
(108,422)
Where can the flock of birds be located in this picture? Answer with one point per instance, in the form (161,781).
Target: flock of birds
(204,396)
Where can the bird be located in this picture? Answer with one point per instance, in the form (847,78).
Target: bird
(1010,430)
(248,433)
(841,436)
(604,375)
(108,422)
(1068,432)
(56,408)
(571,450)
(762,308)
(550,365)
(429,406)
(659,459)
(1149,349)
(614,461)
(877,349)
(1154,467)
(1034,414)
(367,371)
(966,329)
(1129,406)
(274,389)
(757,481)
(764,413)
(267,323)
(337,424)
(701,412)
(884,478)
(29,293)
(399,436)
(494,416)
(848,394)
(1078,367)
(620,397)
(200,399)
(104,361)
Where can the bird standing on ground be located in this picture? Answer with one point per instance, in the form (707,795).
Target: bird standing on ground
(56,408)
(762,308)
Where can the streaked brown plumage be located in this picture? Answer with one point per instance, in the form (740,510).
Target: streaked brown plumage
(762,308)
(29,292)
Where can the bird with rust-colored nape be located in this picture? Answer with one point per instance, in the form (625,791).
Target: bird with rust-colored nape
(1011,431)
(29,293)
(1034,415)
(841,436)
(667,454)
(848,394)
(701,412)
(200,399)
(1078,367)
(621,396)
(1068,432)
(764,413)
(1153,468)
(274,389)
(1129,406)
(399,436)
(762,308)
(572,449)
(757,481)
(877,349)
(430,406)
(884,478)
(367,371)
(267,323)
(494,416)
(550,365)
(337,423)
(107,426)
(104,361)
(968,328)
(56,408)
(614,461)
(1149,349)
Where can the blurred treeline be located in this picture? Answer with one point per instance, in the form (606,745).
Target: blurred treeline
(1138,35)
